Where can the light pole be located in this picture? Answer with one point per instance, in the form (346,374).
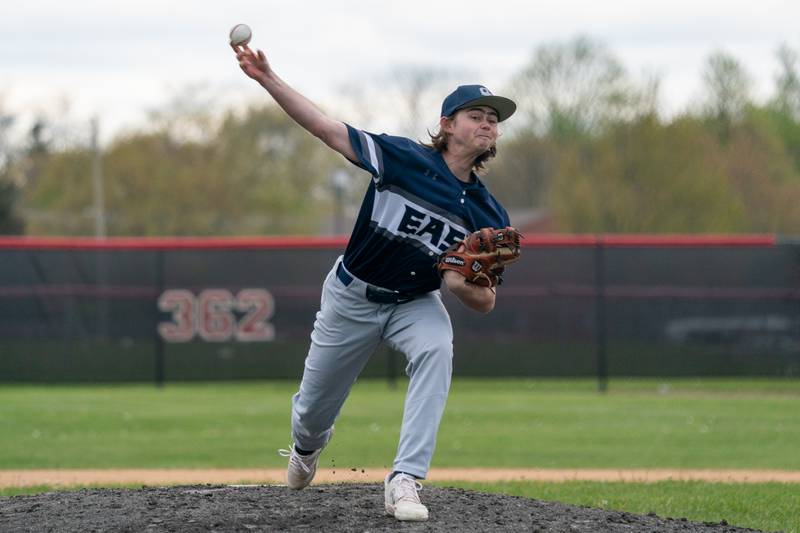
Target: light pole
(97,182)
(339,182)
(100,230)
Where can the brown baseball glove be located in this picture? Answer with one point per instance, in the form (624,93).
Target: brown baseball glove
(484,255)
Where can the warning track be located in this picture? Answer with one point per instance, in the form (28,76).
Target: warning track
(111,477)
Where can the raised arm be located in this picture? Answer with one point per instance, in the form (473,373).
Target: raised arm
(301,109)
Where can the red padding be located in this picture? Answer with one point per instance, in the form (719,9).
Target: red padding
(340,242)
(170,243)
(647,240)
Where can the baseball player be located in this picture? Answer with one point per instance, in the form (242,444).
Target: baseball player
(421,201)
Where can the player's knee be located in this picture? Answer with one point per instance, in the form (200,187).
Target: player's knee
(440,348)
(435,353)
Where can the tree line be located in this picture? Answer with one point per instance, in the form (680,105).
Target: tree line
(589,146)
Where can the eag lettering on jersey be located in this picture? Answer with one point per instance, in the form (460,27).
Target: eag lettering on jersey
(429,229)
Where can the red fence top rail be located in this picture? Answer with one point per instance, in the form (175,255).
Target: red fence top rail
(650,240)
(170,243)
(340,242)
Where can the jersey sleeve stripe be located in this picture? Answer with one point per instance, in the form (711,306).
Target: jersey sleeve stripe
(373,151)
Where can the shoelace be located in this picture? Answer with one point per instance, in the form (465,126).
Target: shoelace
(295,459)
(406,488)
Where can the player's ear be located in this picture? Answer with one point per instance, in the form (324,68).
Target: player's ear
(446,124)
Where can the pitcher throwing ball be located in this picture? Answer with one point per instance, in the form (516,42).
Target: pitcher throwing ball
(425,217)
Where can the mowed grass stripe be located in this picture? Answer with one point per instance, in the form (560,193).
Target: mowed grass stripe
(718,424)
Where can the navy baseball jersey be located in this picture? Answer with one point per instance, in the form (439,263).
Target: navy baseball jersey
(414,208)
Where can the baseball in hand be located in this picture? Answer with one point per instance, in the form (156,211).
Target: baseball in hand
(241,34)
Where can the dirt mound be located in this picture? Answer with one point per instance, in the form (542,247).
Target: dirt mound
(341,507)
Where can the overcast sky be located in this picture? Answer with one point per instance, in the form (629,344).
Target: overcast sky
(117,59)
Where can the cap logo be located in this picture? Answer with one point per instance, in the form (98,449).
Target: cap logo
(485,92)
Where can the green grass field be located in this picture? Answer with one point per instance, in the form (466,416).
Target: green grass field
(492,423)
(764,506)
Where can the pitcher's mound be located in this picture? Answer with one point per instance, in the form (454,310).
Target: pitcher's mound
(343,507)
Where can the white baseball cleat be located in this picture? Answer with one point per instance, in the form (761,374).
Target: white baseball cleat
(302,468)
(402,501)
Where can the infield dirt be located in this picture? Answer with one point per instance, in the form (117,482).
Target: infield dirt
(335,507)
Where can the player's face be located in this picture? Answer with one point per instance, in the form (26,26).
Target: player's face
(475,127)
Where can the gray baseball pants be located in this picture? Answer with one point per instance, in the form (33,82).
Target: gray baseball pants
(347,330)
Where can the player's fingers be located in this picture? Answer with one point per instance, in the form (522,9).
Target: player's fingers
(240,55)
(261,56)
(239,49)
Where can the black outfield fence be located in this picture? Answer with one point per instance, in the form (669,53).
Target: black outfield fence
(83,310)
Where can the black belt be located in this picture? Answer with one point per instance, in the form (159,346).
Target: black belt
(375,294)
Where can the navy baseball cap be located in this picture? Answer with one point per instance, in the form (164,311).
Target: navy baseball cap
(474,95)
